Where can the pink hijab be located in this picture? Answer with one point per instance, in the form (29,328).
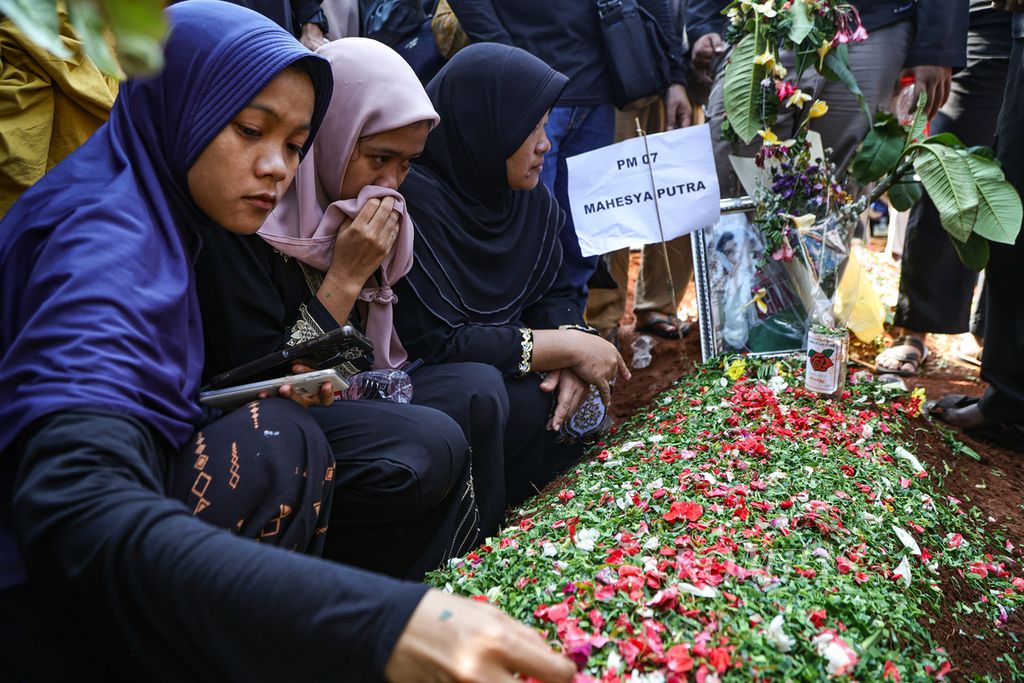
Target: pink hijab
(375,90)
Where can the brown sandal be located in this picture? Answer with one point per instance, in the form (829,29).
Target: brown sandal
(916,359)
(661,324)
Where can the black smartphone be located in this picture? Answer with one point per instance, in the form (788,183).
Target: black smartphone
(345,348)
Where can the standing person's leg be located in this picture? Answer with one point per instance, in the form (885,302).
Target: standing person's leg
(1001,364)
(1000,412)
(474,395)
(936,289)
(654,305)
(876,63)
(264,471)
(579,129)
(606,306)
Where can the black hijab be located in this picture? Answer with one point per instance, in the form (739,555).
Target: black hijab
(483,251)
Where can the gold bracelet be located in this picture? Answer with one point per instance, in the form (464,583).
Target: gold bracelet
(526,363)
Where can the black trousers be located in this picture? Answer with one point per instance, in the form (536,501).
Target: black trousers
(936,289)
(533,456)
(125,581)
(419,484)
(1002,364)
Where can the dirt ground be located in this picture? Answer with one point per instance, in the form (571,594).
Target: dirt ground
(993,483)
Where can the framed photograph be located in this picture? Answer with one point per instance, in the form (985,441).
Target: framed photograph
(746,303)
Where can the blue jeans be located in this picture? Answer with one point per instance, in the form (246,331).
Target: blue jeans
(572,131)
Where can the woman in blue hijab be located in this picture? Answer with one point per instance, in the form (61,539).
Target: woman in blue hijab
(100,362)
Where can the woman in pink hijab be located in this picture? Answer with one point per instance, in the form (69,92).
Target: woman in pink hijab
(416,484)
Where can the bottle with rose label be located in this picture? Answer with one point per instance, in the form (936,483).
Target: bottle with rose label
(827,354)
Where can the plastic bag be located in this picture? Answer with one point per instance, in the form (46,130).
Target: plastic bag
(379,385)
(642,346)
(857,303)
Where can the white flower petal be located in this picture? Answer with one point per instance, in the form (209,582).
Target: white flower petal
(778,637)
(902,452)
(705,592)
(903,569)
(586,538)
(907,540)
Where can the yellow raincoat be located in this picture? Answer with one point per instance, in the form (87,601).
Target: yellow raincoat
(48,107)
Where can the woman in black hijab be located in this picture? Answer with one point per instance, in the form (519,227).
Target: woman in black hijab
(486,284)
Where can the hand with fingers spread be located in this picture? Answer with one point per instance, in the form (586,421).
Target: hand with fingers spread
(452,639)
(359,249)
(571,392)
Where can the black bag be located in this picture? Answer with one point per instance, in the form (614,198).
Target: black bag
(637,51)
(391,21)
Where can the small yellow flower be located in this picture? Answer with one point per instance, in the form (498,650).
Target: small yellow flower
(824,48)
(802,222)
(736,369)
(818,109)
(798,98)
(771,138)
(779,71)
(758,300)
(765,59)
(917,399)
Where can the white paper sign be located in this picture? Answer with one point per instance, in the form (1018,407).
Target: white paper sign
(615,204)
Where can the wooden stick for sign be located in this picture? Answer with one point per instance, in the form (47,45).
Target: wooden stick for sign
(664,245)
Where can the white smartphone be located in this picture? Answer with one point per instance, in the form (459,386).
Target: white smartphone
(307,383)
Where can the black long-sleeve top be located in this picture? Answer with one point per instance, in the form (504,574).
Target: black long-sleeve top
(567,35)
(940,35)
(427,336)
(164,596)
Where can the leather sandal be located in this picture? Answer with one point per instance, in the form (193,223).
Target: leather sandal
(915,359)
(661,324)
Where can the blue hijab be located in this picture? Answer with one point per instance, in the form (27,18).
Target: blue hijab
(98,309)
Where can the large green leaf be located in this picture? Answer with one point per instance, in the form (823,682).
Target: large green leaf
(946,177)
(973,253)
(139,27)
(905,193)
(920,119)
(836,67)
(90,27)
(802,23)
(946,139)
(880,151)
(999,207)
(37,19)
(743,88)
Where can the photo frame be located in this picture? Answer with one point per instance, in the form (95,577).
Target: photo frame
(746,304)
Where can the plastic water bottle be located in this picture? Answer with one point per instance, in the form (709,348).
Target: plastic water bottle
(642,346)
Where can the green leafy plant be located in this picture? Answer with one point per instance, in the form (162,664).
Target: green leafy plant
(815,31)
(975,203)
(120,36)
